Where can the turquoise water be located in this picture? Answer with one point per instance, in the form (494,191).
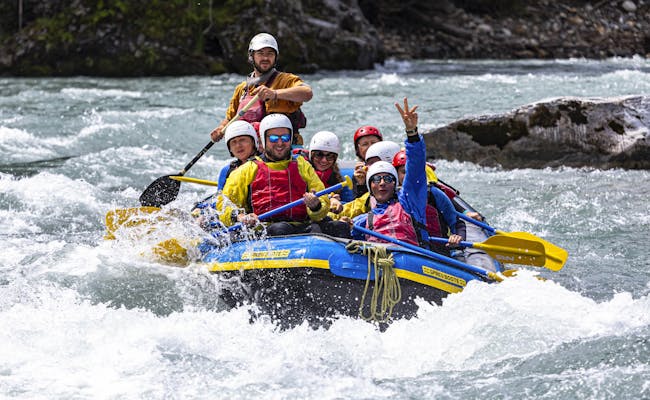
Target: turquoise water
(81,317)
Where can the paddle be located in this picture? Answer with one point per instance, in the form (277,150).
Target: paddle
(126,217)
(164,189)
(555,256)
(447,260)
(346,183)
(194,180)
(507,249)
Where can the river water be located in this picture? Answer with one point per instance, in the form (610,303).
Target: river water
(85,318)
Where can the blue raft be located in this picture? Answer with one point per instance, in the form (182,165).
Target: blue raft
(314,278)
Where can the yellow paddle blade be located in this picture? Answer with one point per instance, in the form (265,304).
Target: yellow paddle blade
(127,217)
(555,256)
(509,273)
(513,250)
(194,180)
(347,182)
(171,251)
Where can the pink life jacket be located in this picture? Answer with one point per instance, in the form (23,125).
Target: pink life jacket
(257,111)
(394,222)
(451,193)
(271,189)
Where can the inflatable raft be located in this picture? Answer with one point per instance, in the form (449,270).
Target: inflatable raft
(315,278)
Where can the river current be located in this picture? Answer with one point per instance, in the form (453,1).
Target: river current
(86,318)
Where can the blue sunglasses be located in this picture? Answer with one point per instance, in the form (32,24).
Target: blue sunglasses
(285,138)
(378,178)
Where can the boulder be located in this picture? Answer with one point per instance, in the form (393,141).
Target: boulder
(578,132)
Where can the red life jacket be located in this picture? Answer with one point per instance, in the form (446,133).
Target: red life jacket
(271,189)
(257,111)
(433,221)
(451,193)
(394,222)
(325,176)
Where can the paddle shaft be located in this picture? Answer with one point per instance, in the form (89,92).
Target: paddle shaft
(507,249)
(465,267)
(476,222)
(445,241)
(207,146)
(194,180)
(268,214)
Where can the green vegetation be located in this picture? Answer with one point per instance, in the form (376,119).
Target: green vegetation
(108,37)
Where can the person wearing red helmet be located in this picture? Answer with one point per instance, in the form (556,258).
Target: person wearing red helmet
(279,92)
(364,137)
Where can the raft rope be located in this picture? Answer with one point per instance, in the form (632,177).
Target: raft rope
(386,283)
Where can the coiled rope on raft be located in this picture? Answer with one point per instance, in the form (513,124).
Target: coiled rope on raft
(386,284)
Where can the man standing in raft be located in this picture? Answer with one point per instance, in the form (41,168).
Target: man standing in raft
(279,92)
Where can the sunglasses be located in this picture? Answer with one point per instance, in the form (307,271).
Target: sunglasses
(386,178)
(285,138)
(320,154)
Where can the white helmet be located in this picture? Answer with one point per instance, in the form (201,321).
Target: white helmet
(325,141)
(385,150)
(275,121)
(240,128)
(262,40)
(380,167)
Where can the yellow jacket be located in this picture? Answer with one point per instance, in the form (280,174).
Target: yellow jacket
(431,176)
(358,206)
(238,184)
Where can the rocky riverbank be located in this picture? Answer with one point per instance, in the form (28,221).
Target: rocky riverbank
(542,29)
(118,38)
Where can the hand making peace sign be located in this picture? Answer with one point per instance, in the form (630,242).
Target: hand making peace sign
(409,116)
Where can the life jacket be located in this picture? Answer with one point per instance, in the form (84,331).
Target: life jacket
(449,191)
(326,177)
(433,221)
(394,222)
(442,227)
(255,113)
(258,110)
(272,188)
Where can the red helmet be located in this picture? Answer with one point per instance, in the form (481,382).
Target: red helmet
(366,131)
(399,159)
